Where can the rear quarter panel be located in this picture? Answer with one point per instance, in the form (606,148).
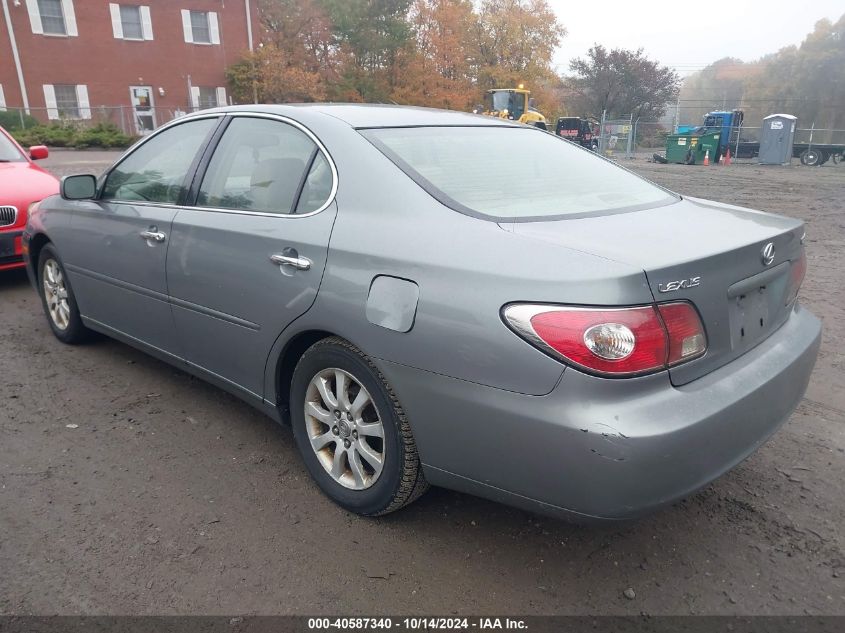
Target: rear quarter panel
(466,270)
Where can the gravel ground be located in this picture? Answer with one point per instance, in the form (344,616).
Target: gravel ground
(172,497)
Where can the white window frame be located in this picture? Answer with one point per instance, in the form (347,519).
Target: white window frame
(117,23)
(213,28)
(2,99)
(68,14)
(82,102)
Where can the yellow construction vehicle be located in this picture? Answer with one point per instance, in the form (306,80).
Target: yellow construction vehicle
(515,104)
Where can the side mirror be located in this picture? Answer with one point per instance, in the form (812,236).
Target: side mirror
(37,152)
(82,187)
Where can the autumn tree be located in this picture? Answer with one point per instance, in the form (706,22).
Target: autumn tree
(622,82)
(442,53)
(295,61)
(807,81)
(369,35)
(719,85)
(436,68)
(517,40)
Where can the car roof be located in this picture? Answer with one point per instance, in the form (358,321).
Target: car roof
(359,115)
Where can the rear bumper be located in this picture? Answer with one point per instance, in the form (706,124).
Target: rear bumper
(606,449)
(11,255)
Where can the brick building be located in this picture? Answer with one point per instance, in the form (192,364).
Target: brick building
(137,63)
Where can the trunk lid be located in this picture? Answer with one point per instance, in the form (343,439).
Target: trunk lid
(705,252)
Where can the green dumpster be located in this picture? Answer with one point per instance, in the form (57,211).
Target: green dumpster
(689,149)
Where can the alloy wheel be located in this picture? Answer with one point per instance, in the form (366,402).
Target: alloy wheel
(55,294)
(344,428)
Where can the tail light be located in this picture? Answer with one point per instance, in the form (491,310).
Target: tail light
(612,341)
(685,332)
(796,277)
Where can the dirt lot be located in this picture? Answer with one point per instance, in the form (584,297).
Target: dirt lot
(172,497)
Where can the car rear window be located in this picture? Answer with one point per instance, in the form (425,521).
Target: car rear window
(513,173)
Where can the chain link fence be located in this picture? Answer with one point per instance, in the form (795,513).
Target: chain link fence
(648,137)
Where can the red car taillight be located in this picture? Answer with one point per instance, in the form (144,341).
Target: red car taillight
(797,272)
(685,332)
(613,341)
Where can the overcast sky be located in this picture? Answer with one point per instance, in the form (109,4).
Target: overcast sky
(689,35)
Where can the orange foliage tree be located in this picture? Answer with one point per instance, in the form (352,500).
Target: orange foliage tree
(436,68)
(440,53)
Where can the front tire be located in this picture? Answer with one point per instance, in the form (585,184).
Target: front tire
(352,432)
(58,299)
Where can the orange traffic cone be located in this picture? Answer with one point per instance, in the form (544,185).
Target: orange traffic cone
(727,158)
(706,157)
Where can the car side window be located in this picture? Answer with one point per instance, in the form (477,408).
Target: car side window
(259,165)
(157,170)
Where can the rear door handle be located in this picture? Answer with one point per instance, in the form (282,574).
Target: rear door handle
(300,263)
(153,235)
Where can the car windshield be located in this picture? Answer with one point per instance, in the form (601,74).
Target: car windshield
(9,153)
(513,173)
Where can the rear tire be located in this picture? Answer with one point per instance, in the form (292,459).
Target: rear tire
(58,299)
(811,158)
(352,432)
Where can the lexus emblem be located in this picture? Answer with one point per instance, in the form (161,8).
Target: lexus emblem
(768,254)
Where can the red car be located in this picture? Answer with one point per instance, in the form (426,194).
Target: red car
(22,182)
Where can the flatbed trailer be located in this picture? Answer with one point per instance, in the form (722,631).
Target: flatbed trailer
(810,154)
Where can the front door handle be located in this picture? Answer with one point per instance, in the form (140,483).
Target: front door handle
(153,235)
(300,263)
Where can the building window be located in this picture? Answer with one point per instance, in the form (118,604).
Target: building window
(207,97)
(200,27)
(2,99)
(52,17)
(131,21)
(67,101)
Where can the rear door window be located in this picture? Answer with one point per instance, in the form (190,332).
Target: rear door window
(267,166)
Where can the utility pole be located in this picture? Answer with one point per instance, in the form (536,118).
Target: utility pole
(677,112)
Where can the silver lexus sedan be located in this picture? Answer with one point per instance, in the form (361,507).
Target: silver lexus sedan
(431,297)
